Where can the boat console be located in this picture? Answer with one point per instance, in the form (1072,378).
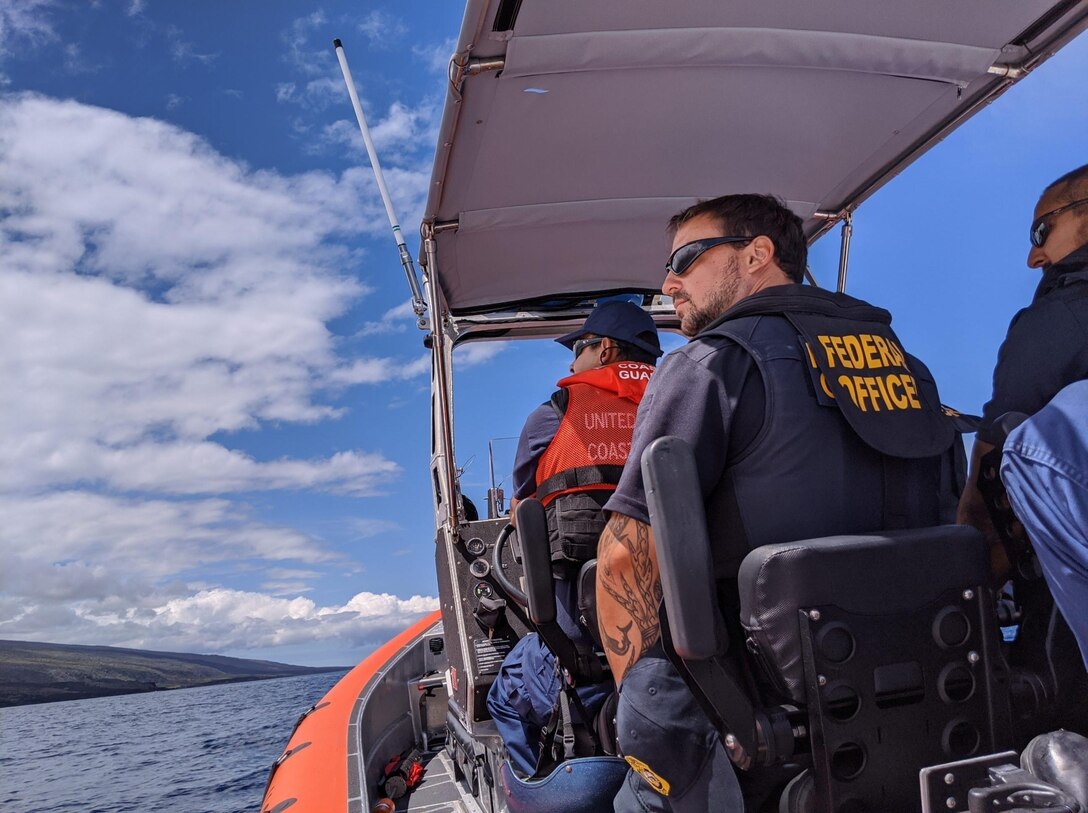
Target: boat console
(490,625)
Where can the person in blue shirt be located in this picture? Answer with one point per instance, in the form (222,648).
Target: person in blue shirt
(569,457)
(1044,467)
(1046,347)
(807,418)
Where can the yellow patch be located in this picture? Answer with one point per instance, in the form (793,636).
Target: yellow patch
(652,779)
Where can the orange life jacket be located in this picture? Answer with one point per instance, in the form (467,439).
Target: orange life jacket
(594,435)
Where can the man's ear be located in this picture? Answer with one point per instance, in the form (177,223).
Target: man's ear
(606,344)
(760,253)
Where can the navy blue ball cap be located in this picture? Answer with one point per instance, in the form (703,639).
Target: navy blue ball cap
(622,321)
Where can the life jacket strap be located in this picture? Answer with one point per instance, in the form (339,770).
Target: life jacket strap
(580,477)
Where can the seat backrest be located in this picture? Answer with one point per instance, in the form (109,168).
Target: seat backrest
(577,657)
(890,642)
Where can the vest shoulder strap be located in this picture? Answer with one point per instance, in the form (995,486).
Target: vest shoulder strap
(560,400)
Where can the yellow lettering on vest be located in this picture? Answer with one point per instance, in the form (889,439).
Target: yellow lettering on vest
(872,357)
(898,398)
(874,383)
(853,350)
(882,349)
(840,351)
(824,386)
(897,355)
(811,356)
(912,391)
(826,342)
(881,385)
(865,396)
(847,382)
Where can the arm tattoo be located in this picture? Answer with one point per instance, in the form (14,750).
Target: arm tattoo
(636,589)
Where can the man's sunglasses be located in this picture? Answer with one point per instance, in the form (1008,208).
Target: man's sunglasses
(683,257)
(582,344)
(1040,227)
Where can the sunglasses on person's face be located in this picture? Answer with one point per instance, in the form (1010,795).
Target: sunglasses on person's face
(582,344)
(683,257)
(1040,227)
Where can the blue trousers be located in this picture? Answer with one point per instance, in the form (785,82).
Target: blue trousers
(1045,469)
(678,762)
(522,698)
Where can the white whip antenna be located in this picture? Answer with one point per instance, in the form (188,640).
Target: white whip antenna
(418,305)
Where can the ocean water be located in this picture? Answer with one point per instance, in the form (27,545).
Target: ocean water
(202,750)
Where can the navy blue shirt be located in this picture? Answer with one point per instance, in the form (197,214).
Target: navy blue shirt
(538,432)
(709,393)
(1046,347)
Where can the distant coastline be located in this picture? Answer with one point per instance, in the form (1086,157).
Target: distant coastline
(33,672)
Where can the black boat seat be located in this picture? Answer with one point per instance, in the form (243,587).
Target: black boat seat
(886,643)
(585,664)
(890,644)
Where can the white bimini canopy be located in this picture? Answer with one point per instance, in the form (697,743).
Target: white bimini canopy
(574,129)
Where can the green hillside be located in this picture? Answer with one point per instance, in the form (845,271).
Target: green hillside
(40,673)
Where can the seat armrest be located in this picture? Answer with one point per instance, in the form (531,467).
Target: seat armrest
(678,519)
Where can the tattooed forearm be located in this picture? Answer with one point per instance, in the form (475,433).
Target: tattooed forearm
(628,592)
(622,646)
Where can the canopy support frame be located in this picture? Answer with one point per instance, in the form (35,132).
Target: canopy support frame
(442,387)
(847,233)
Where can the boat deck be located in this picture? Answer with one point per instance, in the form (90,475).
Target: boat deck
(439,792)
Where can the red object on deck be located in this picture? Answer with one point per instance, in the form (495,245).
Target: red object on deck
(313,767)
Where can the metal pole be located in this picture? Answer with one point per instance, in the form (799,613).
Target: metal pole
(448,470)
(418,305)
(844,249)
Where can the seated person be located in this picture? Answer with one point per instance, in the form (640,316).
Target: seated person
(585,430)
(1045,470)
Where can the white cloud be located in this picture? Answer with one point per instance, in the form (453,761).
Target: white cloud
(185,52)
(174,101)
(399,137)
(477,353)
(74,60)
(394,320)
(135,7)
(381,28)
(77,545)
(24,23)
(83,567)
(314,95)
(301,54)
(155,294)
(436,57)
(220,619)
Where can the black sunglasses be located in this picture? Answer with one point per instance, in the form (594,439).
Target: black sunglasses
(683,257)
(1040,226)
(582,344)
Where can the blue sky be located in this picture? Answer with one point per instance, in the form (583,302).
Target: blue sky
(214,429)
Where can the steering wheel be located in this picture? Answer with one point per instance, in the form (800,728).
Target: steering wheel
(513,592)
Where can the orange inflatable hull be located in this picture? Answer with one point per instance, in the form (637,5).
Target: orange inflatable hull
(311,775)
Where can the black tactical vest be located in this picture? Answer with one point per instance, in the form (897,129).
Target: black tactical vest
(853,435)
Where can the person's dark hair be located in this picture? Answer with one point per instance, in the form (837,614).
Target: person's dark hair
(631,353)
(1070,187)
(754,215)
